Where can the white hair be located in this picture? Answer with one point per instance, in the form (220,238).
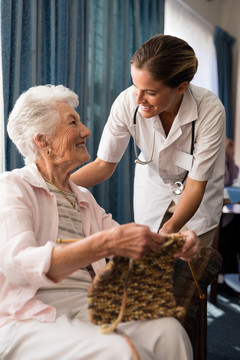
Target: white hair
(35,113)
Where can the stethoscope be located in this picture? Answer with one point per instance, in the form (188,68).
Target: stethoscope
(137,160)
(178,185)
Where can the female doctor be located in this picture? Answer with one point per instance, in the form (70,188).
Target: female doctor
(180,131)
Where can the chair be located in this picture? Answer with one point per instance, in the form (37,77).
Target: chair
(186,294)
(228,208)
(213,285)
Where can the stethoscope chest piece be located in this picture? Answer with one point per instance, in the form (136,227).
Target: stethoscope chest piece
(178,188)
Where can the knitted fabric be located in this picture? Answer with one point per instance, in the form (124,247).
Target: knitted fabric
(136,289)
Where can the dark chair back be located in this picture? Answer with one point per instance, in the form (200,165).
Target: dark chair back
(186,294)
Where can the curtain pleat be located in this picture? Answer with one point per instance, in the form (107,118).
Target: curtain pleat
(17,60)
(85,45)
(224,43)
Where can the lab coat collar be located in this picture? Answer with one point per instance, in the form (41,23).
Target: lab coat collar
(187,114)
(188,111)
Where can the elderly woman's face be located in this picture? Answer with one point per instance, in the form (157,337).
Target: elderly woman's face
(69,139)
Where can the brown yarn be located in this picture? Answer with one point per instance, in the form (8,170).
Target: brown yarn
(141,289)
(144,286)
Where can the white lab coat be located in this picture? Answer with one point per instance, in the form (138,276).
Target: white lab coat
(153,183)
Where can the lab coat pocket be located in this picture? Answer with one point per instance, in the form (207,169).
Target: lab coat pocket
(183,160)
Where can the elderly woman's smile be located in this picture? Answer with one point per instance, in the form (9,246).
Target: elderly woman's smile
(68,142)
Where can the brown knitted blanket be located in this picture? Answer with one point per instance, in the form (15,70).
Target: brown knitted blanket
(136,289)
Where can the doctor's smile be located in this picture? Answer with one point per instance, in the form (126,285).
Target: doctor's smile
(145,108)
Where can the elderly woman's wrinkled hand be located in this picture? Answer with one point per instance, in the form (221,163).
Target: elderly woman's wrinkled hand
(133,240)
(191,247)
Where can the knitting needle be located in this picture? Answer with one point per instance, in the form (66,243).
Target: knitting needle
(201,294)
(66,241)
(171,238)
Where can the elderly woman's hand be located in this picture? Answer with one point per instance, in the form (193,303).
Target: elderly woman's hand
(129,240)
(133,240)
(191,248)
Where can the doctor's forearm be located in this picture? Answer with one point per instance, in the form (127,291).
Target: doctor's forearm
(93,173)
(182,214)
(187,206)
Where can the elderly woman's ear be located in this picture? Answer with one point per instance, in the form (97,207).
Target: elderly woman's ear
(42,144)
(41,141)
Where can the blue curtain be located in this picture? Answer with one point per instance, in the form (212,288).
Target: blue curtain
(224,43)
(85,45)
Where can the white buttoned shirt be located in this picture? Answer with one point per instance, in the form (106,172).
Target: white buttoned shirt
(153,183)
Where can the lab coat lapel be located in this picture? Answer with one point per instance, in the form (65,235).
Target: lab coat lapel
(187,114)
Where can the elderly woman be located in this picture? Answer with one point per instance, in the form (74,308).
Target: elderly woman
(44,285)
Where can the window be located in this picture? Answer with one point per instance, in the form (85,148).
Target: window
(183,22)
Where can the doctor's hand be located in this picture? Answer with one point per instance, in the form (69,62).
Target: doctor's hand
(191,247)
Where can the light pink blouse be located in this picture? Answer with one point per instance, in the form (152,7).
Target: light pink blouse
(29,228)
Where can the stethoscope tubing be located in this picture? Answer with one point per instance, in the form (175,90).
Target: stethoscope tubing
(179,184)
(137,160)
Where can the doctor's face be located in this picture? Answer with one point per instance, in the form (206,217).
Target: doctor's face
(153,97)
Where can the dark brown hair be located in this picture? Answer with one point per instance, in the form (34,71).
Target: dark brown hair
(166,58)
